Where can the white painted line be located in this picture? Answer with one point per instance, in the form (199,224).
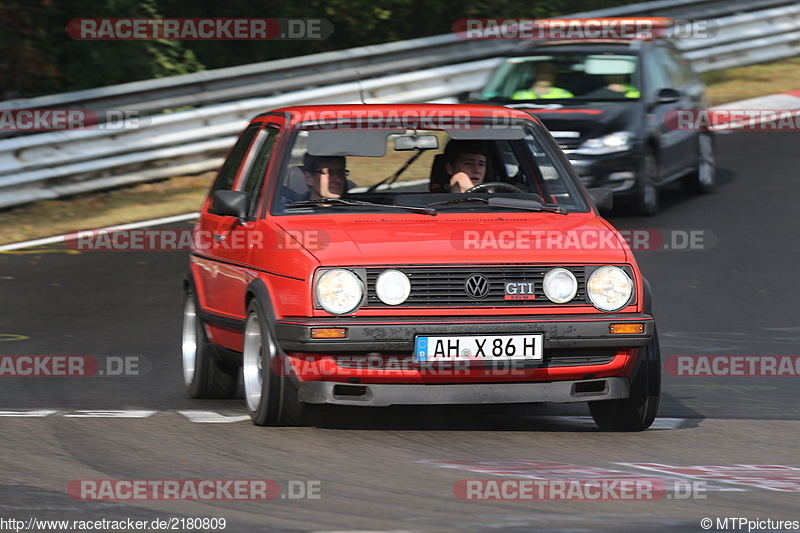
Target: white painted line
(28,414)
(111,414)
(210,417)
(71,236)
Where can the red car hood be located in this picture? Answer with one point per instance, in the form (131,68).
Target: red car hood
(459,238)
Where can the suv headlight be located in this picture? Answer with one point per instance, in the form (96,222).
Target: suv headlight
(620,141)
(339,291)
(609,288)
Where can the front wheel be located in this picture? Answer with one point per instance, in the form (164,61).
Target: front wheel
(637,412)
(646,200)
(703,179)
(203,375)
(271,397)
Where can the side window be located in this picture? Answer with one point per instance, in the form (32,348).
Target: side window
(258,167)
(654,76)
(677,77)
(227,174)
(683,65)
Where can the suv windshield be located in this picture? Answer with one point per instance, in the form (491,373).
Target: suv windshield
(565,77)
(380,170)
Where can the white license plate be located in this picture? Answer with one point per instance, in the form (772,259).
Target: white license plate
(479,348)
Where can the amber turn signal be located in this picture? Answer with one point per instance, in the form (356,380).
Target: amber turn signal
(328,333)
(627,328)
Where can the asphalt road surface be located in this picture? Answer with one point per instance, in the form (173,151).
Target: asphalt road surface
(722,447)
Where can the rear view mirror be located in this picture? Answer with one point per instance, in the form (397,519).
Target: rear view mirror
(416,142)
(229,204)
(668,96)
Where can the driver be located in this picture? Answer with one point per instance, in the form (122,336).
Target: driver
(326,176)
(465,163)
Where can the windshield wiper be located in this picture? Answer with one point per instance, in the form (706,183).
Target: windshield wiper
(339,201)
(508,203)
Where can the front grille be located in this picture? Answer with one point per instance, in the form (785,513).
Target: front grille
(439,286)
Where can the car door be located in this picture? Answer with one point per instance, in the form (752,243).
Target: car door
(676,148)
(234,239)
(205,268)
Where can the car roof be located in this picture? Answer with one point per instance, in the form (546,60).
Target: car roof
(628,46)
(332,111)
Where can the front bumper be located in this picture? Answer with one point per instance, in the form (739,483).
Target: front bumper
(616,171)
(377,395)
(396,335)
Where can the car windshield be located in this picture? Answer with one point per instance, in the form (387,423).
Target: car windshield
(385,170)
(565,77)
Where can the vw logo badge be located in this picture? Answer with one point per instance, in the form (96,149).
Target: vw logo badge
(477,286)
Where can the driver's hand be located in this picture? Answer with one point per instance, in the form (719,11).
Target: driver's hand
(460,182)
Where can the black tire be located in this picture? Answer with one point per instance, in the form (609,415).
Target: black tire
(646,200)
(270,392)
(637,412)
(703,179)
(203,375)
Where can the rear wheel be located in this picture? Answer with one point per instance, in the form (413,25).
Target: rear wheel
(637,412)
(271,397)
(203,375)
(703,179)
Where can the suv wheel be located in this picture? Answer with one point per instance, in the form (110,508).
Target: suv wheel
(702,180)
(637,412)
(203,375)
(271,398)
(646,202)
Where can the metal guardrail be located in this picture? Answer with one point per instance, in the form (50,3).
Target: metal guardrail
(54,164)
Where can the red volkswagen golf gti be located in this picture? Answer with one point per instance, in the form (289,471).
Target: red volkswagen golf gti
(375,255)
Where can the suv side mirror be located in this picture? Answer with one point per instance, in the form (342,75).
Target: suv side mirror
(229,204)
(668,96)
(602,198)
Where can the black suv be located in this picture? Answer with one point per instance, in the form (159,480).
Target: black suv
(609,105)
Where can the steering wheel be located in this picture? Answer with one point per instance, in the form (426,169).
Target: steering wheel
(494,186)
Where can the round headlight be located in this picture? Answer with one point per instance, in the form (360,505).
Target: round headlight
(560,285)
(609,288)
(392,287)
(339,291)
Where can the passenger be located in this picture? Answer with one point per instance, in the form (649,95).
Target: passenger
(326,176)
(619,83)
(465,163)
(543,85)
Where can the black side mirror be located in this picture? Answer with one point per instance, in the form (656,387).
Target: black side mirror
(668,96)
(602,198)
(229,204)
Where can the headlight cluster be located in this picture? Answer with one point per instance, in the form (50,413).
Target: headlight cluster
(341,291)
(620,141)
(609,288)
